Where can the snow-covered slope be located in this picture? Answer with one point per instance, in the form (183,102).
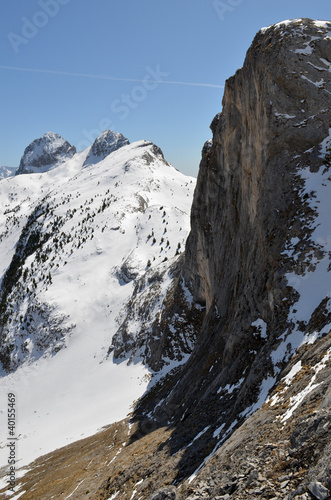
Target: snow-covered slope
(74,242)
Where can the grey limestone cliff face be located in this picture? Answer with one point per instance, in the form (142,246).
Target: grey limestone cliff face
(249,204)
(44,153)
(253,246)
(276,113)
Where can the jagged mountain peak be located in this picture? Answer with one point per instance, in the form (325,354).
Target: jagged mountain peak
(106,143)
(44,153)
(7,172)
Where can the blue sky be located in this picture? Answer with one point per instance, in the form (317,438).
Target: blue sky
(129,65)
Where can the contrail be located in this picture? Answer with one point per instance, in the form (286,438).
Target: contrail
(106,77)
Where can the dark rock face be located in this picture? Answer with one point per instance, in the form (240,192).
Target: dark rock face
(277,453)
(106,143)
(157,342)
(44,153)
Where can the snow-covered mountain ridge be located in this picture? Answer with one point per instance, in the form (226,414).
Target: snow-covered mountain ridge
(75,240)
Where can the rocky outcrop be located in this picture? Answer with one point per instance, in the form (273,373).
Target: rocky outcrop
(274,119)
(45,153)
(106,143)
(156,341)
(283,450)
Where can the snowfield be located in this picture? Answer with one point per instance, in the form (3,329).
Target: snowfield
(101,227)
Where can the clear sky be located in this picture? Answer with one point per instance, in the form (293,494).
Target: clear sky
(150,69)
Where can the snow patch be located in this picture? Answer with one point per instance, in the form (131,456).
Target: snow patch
(319,84)
(296,400)
(261,326)
(294,370)
(230,388)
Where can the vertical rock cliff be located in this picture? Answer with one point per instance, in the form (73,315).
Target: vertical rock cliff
(253,244)
(258,255)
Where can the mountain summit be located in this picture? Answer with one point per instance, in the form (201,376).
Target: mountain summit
(106,143)
(45,153)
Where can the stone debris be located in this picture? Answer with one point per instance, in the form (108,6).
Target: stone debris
(318,490)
